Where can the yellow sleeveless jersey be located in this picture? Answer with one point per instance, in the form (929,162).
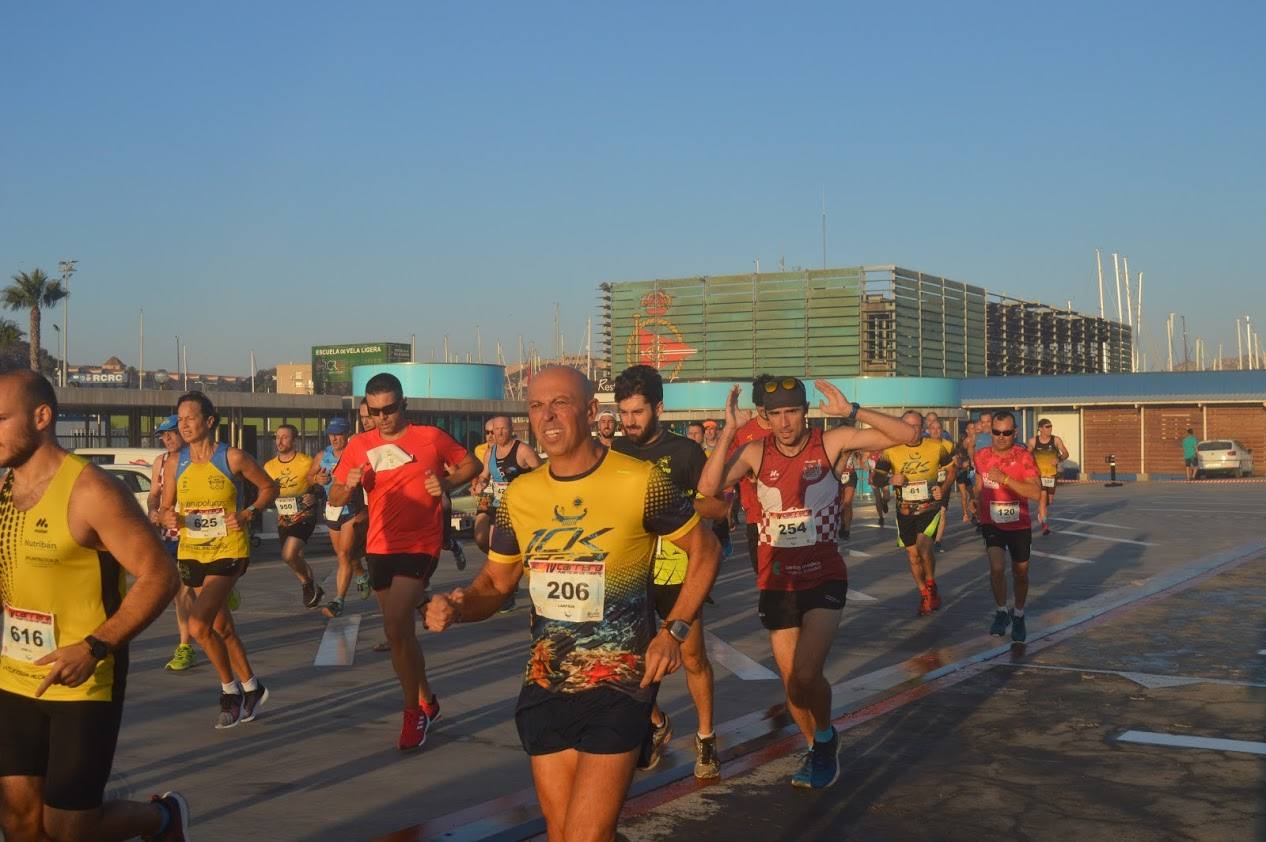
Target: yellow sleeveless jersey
(54,591)
(205,493)
(1046,455)
(292,482)
(922,465)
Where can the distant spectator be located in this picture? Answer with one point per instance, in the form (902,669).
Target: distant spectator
(1189,443)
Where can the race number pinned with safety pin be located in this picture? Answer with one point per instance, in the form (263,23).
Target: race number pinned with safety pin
(288,506)
(1048,482)
(1000,512)
(28,635)
(792,528)
(915,492)
(572,591)
(205,524)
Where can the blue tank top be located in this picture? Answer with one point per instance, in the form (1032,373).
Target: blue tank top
(328,463)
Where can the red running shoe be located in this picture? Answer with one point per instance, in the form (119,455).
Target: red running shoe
(934,597)
(431,709)
(925,603)
(412,729)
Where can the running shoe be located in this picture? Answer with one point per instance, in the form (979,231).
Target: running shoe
(881,522)
(707,763)
(803,777)
(312,594)
(362,586)
(727,547)
(235,600)
(333,608)
(230,710)
(431,708)
(1001,619)
(183,658)
(1046,529)
(508,605)
(925,603)
(1018,632)
(459,555)
(177,818)
(934,597)
(412,729)
(824,762)
(844,534)
(252,700)
(937,546)
(653,746)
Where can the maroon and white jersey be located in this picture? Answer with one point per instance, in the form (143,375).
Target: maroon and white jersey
(800,518)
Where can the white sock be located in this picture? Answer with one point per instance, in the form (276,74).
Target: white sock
(231,687)
(250,684)
(1001,608)
(1019,612)
(706,736)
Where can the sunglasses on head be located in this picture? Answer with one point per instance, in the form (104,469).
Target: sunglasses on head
(998,432)
(790,384)
(389,409)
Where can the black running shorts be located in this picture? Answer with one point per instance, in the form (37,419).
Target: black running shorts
(384,568)
(1016,541)
(194,574)
(68,744)
(786,609)
(601,721)
(910,527)
(301,529)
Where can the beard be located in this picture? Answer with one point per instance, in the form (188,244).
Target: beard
(649,432)
(22,448)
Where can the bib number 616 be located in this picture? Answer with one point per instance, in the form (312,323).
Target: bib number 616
(27,636)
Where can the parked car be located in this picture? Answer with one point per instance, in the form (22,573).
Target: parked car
(1226,456)
(143,456)
(464,507)
(135,477)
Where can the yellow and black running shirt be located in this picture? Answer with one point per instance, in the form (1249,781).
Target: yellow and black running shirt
(922,465)
(292,483)
(54,592)
(205,492)
(587,545)
(1046,455)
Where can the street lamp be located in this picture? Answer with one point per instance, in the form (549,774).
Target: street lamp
(66,268)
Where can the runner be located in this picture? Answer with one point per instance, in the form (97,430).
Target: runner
(720,525)
(801,575)
(481,450)
(400,466)
(202,495)
(605,428)
(933,429)
(694,432)
(984,438)
(507,458)
(923,475)
(184,657)
(710,434)
(1048,451)
(1189,458)
(68,533)
(1006,479)
(755,428)
(296,505)
(879,484)
(340,520)
(586,526)
(846,469)
(965,472)
(639,393)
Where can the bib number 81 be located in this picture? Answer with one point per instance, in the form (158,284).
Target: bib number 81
(567,590)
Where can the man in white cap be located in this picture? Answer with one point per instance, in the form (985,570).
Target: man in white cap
(606,428)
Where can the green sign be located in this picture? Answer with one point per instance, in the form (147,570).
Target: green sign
(332,364)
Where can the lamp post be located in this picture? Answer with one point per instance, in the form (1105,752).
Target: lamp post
(66,268)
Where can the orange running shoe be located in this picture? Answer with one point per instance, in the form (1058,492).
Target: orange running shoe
(412,729)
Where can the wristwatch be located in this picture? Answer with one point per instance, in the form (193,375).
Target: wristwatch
(100,649)
(852,416)
(679,629)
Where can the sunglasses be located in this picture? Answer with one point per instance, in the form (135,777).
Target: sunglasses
(389,409)
(790,384)
(998,432)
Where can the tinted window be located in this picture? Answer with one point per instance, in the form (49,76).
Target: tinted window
(1214,445)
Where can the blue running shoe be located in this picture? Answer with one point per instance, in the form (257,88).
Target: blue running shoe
(824,762)
(1018,631)
(803,777)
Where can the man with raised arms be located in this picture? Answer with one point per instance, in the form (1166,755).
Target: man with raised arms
(800,572)
(586,527)
(401,467)
(68,534)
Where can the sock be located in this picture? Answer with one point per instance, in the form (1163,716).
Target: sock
(250,684)
(706,736)
(1019,612)
(337,599)
(1001,608)
(825,735)
(231,687)
(166,819)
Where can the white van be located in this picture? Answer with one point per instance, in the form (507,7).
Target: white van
(143,456)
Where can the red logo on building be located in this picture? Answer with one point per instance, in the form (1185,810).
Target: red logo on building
(656,303)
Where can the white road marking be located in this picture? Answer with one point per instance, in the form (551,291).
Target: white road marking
(857,553)
(1091,523)
(858,596)
(877,526)
(1184,741)
(1104,538)
(1261,651)
(735,661)
(1150,680)
(338,644)
(1061,557)
(1179,509)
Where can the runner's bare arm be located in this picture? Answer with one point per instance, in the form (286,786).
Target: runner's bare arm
(1030,488)
(479,601)
(714,507)
(154,505)
(240,462)
(103,515)
(663,656)
(464,472)
(719,473)
(883,431)
(167,513)
(1063,451)
(527,457)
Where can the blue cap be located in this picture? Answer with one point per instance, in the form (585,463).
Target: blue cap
(339,427)
(169,424)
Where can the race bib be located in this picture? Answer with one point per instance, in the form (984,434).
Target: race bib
(205,524)
(28,635)
(572,591)
(387,457)
(498,491)
(845,477)
(941,475)
(288,506)
(1004,512)
(333,513)
(915,492)
(1048,482)
(792,528)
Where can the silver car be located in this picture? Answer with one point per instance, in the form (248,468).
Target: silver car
(1224,455)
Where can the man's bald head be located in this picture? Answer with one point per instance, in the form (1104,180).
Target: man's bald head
(561,409)
(555,376)
(28,416)
(34,388)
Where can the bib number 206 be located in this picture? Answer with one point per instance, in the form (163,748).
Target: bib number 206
(567,590)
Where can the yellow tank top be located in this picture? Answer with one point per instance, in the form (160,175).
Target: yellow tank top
(54,591)
(291,476)
(205,492)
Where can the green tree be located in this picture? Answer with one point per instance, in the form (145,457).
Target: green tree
(33,291)
(10,333)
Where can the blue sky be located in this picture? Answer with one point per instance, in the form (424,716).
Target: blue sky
(276,175)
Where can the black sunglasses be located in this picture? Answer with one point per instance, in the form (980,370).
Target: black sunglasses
(998,432)
(389,409)
(790,384)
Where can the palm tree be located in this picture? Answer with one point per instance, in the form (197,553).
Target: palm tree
(33,291)
(10,333)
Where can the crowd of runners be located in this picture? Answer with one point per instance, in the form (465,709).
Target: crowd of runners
(619,530)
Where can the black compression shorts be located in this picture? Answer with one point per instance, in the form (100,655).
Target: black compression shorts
(194,574)
(600,721)
(786,609)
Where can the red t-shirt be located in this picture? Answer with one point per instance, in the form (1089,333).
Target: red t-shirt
(403,516)
(748,433)
(999,505)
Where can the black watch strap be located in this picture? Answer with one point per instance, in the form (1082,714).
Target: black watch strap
(852,416)
(679,629)
(99,649)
